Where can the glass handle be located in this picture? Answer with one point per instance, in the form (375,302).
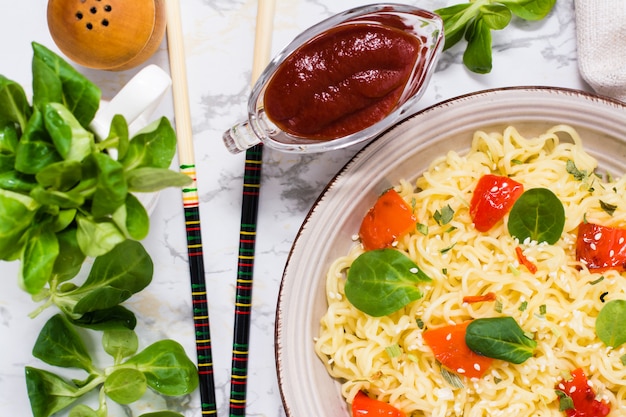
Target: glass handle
(240,137)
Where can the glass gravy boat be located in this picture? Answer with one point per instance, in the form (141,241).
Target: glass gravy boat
(423,26)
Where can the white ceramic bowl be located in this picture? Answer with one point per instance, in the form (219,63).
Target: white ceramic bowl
(405,151)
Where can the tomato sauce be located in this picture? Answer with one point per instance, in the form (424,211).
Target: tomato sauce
(343,81)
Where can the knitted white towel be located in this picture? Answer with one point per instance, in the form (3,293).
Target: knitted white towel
(601,38)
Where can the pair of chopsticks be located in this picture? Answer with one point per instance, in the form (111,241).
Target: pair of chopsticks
(247,231)
(251,189)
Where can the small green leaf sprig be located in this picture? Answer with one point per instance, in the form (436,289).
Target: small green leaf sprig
(475,20)
(162,367)
(65,198)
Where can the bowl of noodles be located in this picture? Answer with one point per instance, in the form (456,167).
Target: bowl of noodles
(570,142)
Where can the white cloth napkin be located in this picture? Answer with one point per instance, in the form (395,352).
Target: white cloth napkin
(601,42)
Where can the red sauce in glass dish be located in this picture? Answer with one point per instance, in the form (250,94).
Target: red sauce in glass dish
(343,81)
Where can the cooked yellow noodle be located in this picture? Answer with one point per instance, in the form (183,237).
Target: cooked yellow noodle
(352,344)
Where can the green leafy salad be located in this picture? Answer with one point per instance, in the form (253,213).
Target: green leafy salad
(64,198)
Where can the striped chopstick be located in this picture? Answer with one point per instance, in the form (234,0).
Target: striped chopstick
(191,210)
(245,267)
(248,226)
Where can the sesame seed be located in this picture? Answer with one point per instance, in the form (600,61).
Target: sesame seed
(572,389)
(477,367)
(597,236)
(449,336)
(460,371)
(413,270)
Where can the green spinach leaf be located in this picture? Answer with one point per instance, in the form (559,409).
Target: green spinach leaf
(59,344)
(120,343)
(8,146)
(167,368)
(125,386)
(529,9)
(48,393)
(97,237)
(127,267)
(111,190)
(38,258)
(100,299)
(70,259)
(71,140)
(54,80)
(61,175)
(17,213)
(383,281)
(81,410)
(14,106)
(118,317)
(538,215)
(154,146)
(148,179)
(499,338)
(611,323)
(132,218)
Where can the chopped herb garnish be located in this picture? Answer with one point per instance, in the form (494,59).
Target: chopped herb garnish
(422,228)
(444,271)
(444,216)
(514,270)
(420,323)
(497,380)
(542,309)
(451,229)
(608,208)
(451,378)
(596,281)
(516,162)
(523,306)
(393,350)
(446,250)
(623,359)
(565,401)
(498,306)
(574,171)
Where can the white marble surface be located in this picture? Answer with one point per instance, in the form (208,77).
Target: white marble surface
(218,43)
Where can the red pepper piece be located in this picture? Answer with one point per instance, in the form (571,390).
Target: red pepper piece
(469,299)
(448,345)
(601,247)
(583,397)
(364,406)
(390,218)
(524,260)
(493,197)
